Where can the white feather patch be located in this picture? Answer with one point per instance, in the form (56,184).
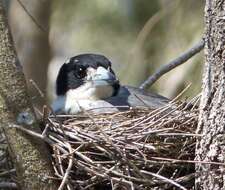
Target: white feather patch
(83,98)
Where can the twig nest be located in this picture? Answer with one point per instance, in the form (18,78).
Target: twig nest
(134,149)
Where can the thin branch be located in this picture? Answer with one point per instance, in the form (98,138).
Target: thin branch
(37,88)
(172,64)
(150,24)
(32,17)
(174,161)
(146,30)
(8,185)
(66,176)
(8,172)
(164,179)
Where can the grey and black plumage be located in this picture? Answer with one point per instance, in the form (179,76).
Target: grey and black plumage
(87,82)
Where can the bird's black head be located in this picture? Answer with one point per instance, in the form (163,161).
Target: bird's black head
(75,72)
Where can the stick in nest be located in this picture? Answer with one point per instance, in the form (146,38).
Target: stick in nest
(113,153)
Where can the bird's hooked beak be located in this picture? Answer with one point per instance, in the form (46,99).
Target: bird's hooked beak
(101,77)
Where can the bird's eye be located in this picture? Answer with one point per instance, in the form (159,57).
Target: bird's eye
(81,72)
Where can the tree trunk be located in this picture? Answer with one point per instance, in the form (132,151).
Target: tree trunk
(29,156)
(211,147)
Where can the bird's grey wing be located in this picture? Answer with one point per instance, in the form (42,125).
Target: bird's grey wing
(135,97)
(126,97)
(58,105)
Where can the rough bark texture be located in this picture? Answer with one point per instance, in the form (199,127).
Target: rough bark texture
(211,147)
(30,158)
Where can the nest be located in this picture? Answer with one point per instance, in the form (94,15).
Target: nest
(135,149)
(7,172)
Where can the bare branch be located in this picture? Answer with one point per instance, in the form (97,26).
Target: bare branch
(65,177)
(8,172)
(172,64)
(165,179)
(32,17)
(8,185)
(150,24)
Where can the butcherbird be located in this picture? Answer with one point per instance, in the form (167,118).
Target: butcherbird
(87,82)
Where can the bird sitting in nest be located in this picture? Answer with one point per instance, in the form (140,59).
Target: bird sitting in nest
(87,82)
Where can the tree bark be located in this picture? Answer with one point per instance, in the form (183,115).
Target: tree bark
(30,156)
(211,147)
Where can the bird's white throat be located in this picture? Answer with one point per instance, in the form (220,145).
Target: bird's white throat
(82,98)
(90,92)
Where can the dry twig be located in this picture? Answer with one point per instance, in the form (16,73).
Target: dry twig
(134,149)
(108,151)
(172,64)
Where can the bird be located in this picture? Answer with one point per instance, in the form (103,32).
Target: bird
(87,82)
